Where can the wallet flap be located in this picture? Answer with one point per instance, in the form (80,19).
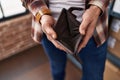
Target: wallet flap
(61,25)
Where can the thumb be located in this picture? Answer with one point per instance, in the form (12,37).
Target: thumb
(83,26)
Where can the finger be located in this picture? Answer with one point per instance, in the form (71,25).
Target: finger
(83,26)
(56,44)
(88,35)
(79,49)
(86,38)
(48,30)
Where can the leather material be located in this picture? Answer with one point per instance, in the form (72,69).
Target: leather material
(67,29)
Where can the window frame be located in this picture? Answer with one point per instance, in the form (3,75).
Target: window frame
(12,16)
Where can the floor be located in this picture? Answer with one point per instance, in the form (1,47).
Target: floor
(32,64)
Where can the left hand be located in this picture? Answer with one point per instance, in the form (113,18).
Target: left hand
(89,20)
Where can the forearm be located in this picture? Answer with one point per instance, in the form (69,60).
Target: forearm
(36,7)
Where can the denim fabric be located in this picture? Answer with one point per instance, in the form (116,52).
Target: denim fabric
(93,60)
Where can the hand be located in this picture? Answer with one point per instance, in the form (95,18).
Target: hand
(47,22)
(90,18)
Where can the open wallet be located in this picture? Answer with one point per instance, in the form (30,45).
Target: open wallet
(67,30)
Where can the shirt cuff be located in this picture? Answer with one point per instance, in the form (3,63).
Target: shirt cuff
(99,4)
(38,9)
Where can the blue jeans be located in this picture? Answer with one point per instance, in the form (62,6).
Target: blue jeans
(93,60)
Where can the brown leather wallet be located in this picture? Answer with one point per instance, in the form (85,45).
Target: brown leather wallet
(67,29)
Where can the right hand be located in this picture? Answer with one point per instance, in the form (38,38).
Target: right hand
(47,23)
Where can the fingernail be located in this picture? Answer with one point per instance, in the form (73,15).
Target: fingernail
(48,31)
(83,32)
(54,36)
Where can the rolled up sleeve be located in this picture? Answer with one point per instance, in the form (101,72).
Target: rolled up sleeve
(36,7)
(102,4)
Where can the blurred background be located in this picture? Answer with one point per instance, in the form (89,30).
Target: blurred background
(22,59)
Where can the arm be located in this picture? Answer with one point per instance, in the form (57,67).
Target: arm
(89,19)
(41,12)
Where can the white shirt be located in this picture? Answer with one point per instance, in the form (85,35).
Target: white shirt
(57,5)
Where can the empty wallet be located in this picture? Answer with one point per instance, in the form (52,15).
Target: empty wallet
(67,30)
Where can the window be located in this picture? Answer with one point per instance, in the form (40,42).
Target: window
(11,8)
(1,15)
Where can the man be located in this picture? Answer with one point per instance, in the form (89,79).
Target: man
(92,50)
